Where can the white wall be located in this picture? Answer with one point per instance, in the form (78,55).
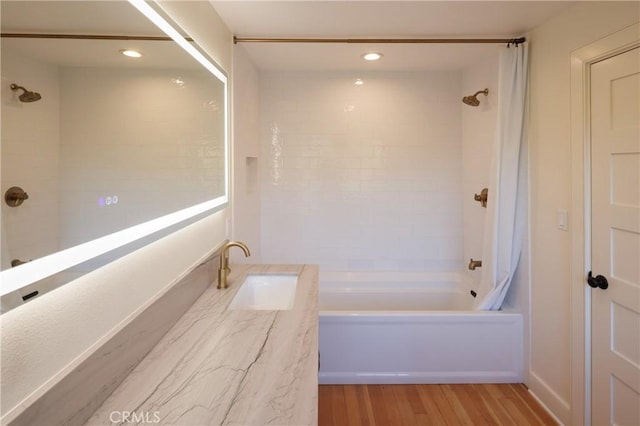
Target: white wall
(550,149)
(42,338)
(29,137)
(362,177)
(246,156)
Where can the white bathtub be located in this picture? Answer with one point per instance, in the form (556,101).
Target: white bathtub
(413,327)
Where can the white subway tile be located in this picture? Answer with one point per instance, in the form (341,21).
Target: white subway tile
(388,172)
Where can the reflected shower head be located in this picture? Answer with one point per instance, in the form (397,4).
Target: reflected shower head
(473,99)
(26,95)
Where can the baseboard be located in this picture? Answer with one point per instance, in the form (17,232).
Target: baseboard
(543,405)
(445,377)
(557,407)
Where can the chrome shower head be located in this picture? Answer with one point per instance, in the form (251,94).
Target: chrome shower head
(473,99)
(26,95)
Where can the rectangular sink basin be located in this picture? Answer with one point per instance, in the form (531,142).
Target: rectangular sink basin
(266,292)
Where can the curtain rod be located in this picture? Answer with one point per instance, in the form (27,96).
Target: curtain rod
(378,40)
(89,37)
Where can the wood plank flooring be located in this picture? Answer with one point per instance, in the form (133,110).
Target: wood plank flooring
(418,405)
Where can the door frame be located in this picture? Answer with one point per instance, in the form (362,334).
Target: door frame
(580,294)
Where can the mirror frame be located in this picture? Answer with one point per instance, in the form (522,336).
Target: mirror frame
(28,273)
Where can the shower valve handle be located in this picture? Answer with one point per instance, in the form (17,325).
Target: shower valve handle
(598,281)
(15,196)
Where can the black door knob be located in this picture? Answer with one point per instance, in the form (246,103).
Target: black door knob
(598,281)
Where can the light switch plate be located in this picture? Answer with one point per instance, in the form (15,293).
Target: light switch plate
(562,220)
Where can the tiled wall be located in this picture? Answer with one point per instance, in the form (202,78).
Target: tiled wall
(246,157)
(29,158)
(362,177)
(478,134)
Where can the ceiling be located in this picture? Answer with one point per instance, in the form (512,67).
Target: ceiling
(388,19)
(75,17)
(329,19)
(88,17)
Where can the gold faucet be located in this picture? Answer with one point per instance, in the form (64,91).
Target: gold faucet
(224,270)
(473,264)
(482,197)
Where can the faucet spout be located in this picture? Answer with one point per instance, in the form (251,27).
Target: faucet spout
(473,264)
(224,270)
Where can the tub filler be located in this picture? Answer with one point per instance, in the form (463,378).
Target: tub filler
(413,327)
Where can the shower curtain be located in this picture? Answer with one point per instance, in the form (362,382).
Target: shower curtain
(505,220)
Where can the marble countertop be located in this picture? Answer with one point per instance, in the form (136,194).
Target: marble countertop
(219,367)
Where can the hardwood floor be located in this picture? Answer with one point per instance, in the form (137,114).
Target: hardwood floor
(417,405)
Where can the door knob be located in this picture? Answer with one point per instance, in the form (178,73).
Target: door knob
(598,281)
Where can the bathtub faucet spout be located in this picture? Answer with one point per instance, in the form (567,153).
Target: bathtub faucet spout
(473,264)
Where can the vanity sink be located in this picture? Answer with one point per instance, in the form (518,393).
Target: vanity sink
(265,292)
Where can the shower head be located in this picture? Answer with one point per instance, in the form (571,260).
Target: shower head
(473,99)
(26,95)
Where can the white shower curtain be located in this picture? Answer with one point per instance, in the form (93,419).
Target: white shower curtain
(505,220)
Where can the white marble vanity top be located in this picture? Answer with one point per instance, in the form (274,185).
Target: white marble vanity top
(231,367)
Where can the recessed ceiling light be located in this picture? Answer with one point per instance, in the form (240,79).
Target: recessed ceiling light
(372,56)
(358,82)
(131,53)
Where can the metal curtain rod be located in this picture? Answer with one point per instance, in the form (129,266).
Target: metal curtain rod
(378,40)
(89,37)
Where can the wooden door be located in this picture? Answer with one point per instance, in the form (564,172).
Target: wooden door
(615,243)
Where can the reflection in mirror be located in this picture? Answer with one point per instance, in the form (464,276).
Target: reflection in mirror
(109,142)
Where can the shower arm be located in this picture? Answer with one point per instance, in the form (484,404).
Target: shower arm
(15,88)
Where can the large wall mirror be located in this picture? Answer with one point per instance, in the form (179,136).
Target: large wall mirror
(101,152)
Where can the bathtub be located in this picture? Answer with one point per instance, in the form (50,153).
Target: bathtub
(413,327)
